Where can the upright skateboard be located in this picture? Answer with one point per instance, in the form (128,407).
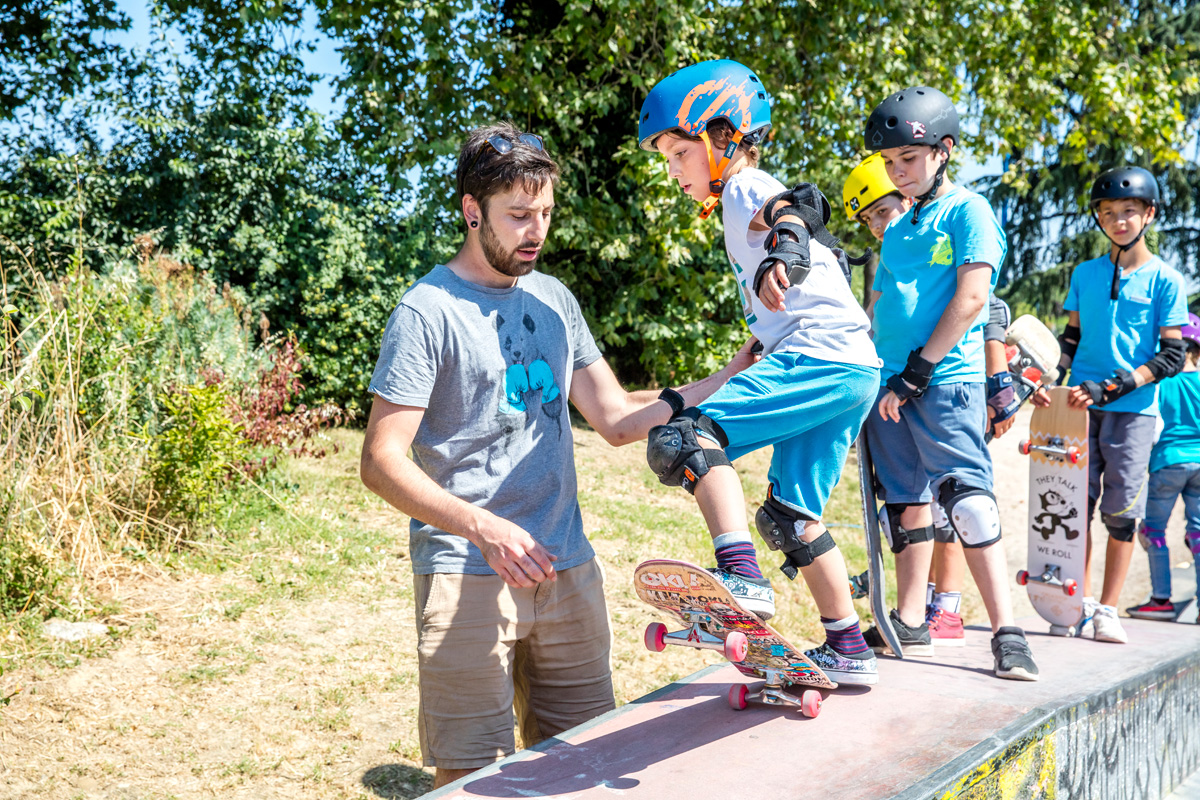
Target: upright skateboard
(1032,353)
(876,580)
(716,621)
(1058,492)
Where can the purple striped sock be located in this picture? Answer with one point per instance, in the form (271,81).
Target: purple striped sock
(740,558)
(848,641)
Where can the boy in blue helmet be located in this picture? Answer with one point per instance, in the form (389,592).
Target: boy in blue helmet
(1125,310)
(807,397)
(1174,471)
(937,267)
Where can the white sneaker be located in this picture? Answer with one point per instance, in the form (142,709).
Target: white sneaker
(1086,629)
(753,594)
(1107,626)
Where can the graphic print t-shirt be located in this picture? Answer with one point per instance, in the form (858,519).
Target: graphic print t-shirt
(492,368)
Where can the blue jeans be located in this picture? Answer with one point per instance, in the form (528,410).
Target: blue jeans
(1166,485)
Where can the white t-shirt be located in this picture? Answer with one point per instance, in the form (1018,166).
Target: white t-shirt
(820,318)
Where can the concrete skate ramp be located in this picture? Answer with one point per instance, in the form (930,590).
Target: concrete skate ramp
(1105,721)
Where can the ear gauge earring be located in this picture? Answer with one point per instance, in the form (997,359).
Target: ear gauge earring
(474,224)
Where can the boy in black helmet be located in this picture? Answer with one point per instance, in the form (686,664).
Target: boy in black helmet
(1123,334)
(937,266)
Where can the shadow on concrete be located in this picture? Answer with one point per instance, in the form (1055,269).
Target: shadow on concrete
(613,759)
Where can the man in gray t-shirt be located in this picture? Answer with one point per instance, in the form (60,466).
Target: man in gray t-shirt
(476,367)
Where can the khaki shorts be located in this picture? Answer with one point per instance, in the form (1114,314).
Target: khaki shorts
(484,645)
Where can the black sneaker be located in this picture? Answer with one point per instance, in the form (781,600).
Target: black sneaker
(1013,658)
(860,586)
(915,641)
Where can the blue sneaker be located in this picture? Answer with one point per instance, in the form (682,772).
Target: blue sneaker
(841,669)
(753,594)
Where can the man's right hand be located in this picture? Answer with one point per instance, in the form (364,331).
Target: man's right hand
(514,554)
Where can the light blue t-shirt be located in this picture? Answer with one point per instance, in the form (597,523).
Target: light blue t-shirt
(1179,404)
(1123,333)
(918,276)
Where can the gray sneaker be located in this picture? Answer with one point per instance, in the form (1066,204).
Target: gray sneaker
(840,669)
(753,594)
(1013,659)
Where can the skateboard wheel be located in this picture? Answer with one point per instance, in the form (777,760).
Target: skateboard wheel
(1023,446)
(1070,587)
(1073,455)
(1022,577)
(736,646)
(810,703)
(655,637)
(737,696)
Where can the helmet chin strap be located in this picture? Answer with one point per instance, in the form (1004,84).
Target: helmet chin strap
(937,183)
(716,169)
(1121,249)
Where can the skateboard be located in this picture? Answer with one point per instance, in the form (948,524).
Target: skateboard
(1058,491)
(876,581)
(1032,353)
(716,621)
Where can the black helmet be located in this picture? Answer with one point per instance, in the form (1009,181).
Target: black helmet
(918,115)
(1125,182)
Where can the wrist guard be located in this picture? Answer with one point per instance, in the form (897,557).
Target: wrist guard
(999,318)
(674,399)
(1002,396)
(787,242)
(1169,360)
(1120,384)
(914,380)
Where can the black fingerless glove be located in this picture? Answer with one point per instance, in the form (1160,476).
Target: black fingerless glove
(918,373)
(1120,384)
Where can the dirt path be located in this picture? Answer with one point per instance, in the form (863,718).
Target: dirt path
(217,687)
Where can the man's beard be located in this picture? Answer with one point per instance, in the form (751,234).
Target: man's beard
(506,263)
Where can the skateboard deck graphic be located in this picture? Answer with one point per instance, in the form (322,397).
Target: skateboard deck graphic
(1058,485)
(716,621)
(876,578)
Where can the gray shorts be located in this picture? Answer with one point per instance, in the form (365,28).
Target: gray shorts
(939,436)
(1119,445)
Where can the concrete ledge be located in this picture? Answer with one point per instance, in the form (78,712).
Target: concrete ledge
(1105,721)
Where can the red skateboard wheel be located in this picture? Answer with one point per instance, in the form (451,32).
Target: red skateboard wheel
(1022,577)
(655,637)
(737,696)
(736,646)
(1073,455)
(1023,446)
(1070,587)
(810,703)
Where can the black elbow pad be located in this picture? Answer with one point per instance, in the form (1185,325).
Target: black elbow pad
(1169,360)
(1068,341)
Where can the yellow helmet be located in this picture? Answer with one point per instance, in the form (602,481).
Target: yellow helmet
(867,183)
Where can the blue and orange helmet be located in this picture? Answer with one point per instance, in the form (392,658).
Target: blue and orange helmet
(688,99)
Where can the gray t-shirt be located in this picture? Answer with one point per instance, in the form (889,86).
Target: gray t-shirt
(492,368)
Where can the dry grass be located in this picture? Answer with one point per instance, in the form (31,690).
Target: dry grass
(283,663)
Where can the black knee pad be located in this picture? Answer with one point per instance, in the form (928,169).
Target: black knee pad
(675,454)
(973,513)
(781,527)
(897,535)
(1122,529)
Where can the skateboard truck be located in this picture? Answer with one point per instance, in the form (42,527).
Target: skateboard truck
(1055,447)
(734,647)
(1052,576)
(772,694)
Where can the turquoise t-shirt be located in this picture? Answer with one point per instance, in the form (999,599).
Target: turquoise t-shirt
(918,275)
(1179,404)
(1123,334)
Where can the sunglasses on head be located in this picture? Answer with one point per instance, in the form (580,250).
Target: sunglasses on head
(502,145)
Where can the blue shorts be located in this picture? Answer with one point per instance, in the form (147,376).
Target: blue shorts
(809,410)
(939,436)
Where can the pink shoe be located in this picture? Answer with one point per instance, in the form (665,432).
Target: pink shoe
(946,628)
